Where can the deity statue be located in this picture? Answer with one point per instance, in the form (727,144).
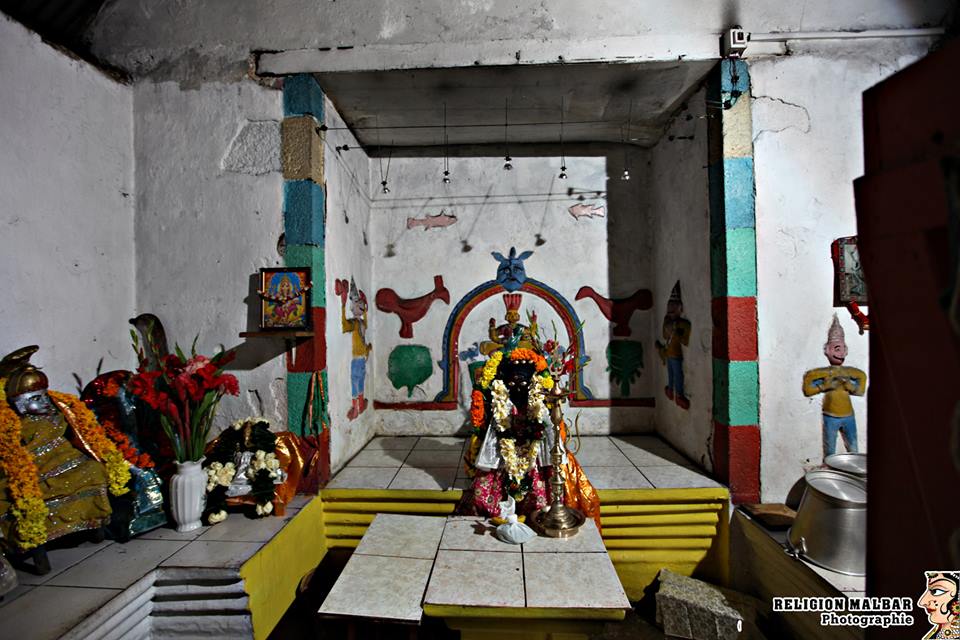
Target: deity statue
(512,332)
(837,383)
(509,452)
(49,487)
(141,510)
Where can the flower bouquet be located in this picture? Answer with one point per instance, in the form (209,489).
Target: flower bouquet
(185,392)
(243,462)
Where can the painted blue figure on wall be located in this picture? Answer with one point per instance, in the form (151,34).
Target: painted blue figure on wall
(360,348)
(837,383)
(676,333)
(511,273)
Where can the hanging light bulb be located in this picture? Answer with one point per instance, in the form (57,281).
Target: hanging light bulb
(466,246)
(563,157)
(386,189)
(507,164)
(446,148)
(626,174)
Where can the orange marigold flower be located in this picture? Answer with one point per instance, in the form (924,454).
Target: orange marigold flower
(529,355)
(477,414)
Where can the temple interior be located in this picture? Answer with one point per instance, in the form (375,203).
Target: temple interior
(439,320)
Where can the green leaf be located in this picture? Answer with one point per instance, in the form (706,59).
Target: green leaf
(179,353)
(193,347)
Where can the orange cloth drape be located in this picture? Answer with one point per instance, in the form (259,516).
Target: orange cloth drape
(580,494)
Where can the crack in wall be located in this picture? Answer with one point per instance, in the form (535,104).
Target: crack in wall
(804,129)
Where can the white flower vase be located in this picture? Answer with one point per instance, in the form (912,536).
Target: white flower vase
(188,495)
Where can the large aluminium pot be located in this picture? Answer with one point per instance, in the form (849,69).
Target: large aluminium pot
(830,529)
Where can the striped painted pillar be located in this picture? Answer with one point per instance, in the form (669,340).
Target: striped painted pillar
(733,248)
(304,195)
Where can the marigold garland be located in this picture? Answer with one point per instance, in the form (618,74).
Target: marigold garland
(529,355)
(477,412)
(490,369)
(16,463)
(90,431)
(546,381)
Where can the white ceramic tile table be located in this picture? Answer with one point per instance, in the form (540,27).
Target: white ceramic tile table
(405,565)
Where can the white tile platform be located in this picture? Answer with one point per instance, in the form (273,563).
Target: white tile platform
(405,561)
(436,463)
(90,579)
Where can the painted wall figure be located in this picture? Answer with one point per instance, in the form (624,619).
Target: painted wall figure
(512,333)
(625,358)
(676,333)
(357,327)
(409,365)
(837,383)
(619,311)
(511,273)
(411,310)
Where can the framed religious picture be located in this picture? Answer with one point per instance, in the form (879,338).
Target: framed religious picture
(849,284)
(285,298)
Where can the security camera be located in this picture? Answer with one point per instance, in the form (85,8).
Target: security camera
(733,42)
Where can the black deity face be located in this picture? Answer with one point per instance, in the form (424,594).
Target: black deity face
(517,377)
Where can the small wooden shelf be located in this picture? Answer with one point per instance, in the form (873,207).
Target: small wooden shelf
(278,333)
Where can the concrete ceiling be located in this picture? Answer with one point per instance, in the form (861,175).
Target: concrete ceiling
(601,103)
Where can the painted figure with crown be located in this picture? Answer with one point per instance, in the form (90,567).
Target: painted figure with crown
(837,383)
(508,457)
(56,464)
(676,334)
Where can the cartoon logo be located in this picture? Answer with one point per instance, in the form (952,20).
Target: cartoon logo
(941,601)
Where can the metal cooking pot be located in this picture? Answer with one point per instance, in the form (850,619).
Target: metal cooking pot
(830,529)
(852,463)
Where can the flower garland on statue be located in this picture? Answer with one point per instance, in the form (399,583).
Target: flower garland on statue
(518,460)
(16,463)
(92,434)
(29,510)
(263,472)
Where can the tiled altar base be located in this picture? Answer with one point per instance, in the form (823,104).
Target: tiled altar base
(657,510)
(88,577)
(434,463)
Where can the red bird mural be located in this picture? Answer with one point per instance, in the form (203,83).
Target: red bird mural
(619,311)
(412,310)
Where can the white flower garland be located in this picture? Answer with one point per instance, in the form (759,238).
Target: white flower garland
(517,463)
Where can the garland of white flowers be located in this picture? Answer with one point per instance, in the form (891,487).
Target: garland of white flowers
(517,463)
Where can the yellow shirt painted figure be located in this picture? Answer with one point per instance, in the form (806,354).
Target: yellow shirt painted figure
(837,383)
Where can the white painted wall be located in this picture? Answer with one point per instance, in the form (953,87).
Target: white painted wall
(680,216)
(66,210)
(348,254)
(207,39)
(202,230)
(497,209)
(808,148)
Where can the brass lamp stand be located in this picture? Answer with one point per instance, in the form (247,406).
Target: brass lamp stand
(557,520)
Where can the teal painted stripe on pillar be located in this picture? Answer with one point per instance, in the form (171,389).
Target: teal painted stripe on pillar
(298,388)
(303,212)
(733,264)
(736,392)
(302,96)
(298,384)
(741,259)
(739,194)
(303,255)
(734,80)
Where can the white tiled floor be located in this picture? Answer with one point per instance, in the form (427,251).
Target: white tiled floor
(87,576)
(435,463)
